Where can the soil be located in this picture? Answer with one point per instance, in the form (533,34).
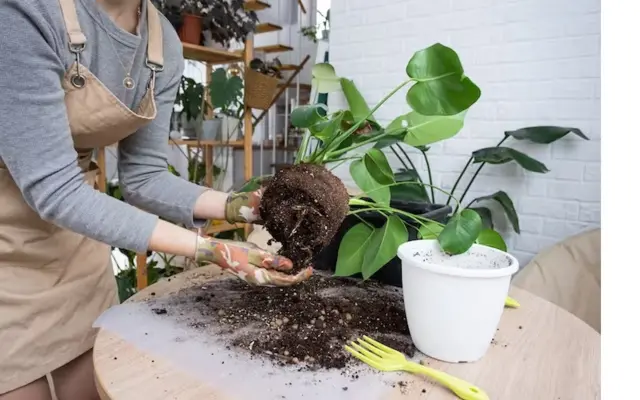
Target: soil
(306,325)
(302,208)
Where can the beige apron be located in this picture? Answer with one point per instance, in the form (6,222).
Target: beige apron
(54,283)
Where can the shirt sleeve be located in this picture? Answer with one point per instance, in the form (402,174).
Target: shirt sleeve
(143,172)
(35,139)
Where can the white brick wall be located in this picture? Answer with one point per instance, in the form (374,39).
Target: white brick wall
(537,63)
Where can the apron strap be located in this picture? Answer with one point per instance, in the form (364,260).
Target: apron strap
(77,39)
(155,59)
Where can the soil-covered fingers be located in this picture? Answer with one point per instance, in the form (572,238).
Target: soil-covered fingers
(279,279)
(265,259)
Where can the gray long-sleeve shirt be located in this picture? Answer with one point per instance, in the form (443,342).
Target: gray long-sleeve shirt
(35,141)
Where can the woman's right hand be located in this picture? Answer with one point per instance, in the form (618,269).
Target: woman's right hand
(249,263)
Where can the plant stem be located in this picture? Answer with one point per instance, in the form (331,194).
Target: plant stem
(357,201)
(475,175)
(473,178)
(433,197)
(421,220)
(339,139)
(303,148)
(426,161)
(399,158)
(455,185)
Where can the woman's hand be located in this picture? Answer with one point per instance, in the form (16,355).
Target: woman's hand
(244,207)
(249,263)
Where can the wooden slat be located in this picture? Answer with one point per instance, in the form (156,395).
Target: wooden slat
(209,55)
(273,48)
(304,10)
(141,271)
(268,27)
(214,143)
(256,5)
(289,67)
(292,85)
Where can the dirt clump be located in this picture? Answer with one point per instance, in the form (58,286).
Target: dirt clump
(302,208)
(306,325)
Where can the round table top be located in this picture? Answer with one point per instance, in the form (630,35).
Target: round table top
(541,352)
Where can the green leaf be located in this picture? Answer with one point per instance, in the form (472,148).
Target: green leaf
(389,140)
(544,134)
(357,104)
(384,245)
(441,87)
(253,184)
(502,155)
(223,91)
(324,79)
(361,176)
(327,129)
(352,248)
(505,201)
(378,166)
(485,214)
(447,95)
(491,238)
(423,130)
(307,116)
(430,230)
(408,191)
(460,232)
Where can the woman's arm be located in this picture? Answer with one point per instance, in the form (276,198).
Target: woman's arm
(37,149)
(142,159)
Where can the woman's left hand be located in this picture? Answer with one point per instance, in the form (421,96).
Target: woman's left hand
(244,207)
(249,262)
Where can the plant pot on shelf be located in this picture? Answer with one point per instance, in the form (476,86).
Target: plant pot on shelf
(391,272)
(191,129)
(211,129)
(209,42)
(191,29)
(259,89)
(231,130)
(454,303)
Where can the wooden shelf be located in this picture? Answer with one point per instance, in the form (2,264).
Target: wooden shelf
(292,85)
(209,55)
(268,27)
(273,48)
(289,67)
(214,143)
(256,5)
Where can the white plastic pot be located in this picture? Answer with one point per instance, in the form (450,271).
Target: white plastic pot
(454,303)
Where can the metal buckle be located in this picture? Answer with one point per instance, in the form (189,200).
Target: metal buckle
(77,48)
(153,66)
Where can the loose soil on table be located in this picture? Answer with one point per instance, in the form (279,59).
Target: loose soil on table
(302,208)
(306,325)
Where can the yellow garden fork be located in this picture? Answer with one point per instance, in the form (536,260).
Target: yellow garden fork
(384,358)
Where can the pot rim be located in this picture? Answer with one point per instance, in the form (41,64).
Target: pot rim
(408,261)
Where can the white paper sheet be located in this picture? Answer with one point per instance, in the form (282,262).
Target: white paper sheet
(234,373)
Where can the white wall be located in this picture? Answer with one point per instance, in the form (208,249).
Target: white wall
(537,63)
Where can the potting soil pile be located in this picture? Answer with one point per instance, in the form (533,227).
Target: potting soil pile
(290,339)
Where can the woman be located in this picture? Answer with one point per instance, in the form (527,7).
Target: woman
(76,75)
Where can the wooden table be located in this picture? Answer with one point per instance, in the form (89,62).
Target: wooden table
(541,353)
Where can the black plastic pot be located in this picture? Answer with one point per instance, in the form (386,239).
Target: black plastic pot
(390,273)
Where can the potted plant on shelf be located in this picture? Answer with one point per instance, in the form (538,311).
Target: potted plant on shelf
(226,22)
(225,95)
(262,78)
(190,99)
